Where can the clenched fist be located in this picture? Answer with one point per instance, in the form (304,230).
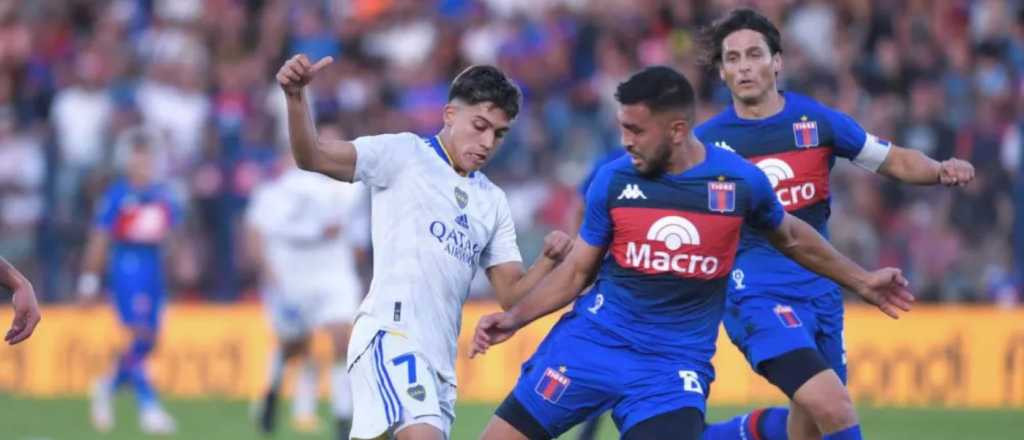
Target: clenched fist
(297,72)
(955,172)
(557,245)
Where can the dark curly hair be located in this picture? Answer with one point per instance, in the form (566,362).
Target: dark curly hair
(712,36)
(484,83)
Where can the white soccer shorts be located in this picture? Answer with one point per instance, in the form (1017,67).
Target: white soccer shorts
(294,316)
(394,387)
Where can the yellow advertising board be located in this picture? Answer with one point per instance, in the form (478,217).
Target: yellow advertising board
(949,356)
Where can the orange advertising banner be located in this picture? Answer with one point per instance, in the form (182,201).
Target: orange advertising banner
(945,356)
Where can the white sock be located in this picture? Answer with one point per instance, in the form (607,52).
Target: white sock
(276,370)
(341,392)
(304,404)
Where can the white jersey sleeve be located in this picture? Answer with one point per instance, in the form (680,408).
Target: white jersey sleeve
(381,157)
(503,247)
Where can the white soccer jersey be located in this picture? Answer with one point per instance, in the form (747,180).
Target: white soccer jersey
(291,214)
(431,228)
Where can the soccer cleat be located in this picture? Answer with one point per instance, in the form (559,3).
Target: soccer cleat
(101,408)
(156,421)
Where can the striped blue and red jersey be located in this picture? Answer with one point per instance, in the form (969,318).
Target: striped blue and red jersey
(796,148)
(671,242)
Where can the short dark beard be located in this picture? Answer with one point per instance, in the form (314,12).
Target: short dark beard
(657,164)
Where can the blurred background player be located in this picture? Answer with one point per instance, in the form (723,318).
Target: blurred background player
(305,230)
(435,219)
(23,297)
(795,140)
(668,217)
(133,221)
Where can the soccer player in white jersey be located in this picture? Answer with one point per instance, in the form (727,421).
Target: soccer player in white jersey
(435,218)
(301,227)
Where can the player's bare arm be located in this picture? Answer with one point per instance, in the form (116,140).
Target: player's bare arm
(26,308)
(559,288)
(885,288)
(94,261)
(332,157)
(511,283)
(912,166)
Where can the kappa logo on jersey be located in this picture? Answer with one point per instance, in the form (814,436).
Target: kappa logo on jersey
(805,133)
(722,196)
(685,244)
(632,192)
(787,316)
(552,385)
(799,178)
(456,242)
(724,145)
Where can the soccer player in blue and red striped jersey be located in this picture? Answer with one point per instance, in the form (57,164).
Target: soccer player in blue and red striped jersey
(668,217)
(134,220)
(786,319)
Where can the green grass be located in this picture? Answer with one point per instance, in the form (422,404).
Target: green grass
(67,419)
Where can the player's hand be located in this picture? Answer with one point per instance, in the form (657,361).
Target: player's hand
(887,289)
(26,315)
(955,172)
(297,72)
(491,330)
(557,245)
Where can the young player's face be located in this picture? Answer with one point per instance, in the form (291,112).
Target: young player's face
(476,131)
(646,137)
(141,165)
(748,66)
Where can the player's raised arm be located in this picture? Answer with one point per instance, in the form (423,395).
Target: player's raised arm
(912,166)
(511,283)
(332,157)
(26,309)
(885,288)
(553,292)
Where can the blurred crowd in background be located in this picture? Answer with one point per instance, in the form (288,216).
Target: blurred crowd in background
(80,77)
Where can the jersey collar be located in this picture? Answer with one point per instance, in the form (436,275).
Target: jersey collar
(435,143)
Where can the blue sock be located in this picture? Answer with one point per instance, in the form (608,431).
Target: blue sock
(851,433)
(124,371)
(144,394)
(759,424)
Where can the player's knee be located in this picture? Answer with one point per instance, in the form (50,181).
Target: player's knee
(295,348)
(143,346)
(829,404)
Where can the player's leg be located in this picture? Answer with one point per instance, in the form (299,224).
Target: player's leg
(341,388)
(287,350)
(830,401)
(777,337)
(101,404)
(395,388)
(335,314)
(664,396)
(293,340)
(589,429)
(148,306)
(683,424)
(759,424)
(571,377)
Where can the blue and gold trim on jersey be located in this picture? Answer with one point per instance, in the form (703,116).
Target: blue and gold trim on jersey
(442,152)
